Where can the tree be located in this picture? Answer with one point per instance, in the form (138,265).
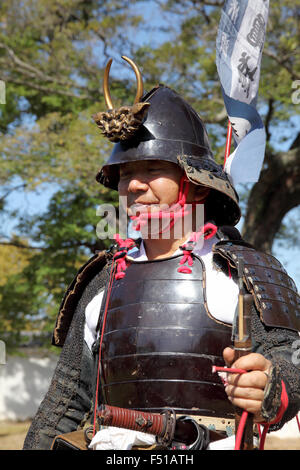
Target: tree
(276,193)
(13,260)
(278,189)
(52,57)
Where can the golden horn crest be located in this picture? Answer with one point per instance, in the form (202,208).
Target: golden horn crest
(122,123)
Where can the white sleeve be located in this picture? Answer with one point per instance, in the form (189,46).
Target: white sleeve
(91,319)
(221,293)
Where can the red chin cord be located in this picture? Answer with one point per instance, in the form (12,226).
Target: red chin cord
(177,210)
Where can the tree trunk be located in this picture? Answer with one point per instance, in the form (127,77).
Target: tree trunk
(272,197)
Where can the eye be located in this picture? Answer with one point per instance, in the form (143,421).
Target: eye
(155,169)
(124,174)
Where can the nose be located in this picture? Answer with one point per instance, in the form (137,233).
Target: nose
(137,184)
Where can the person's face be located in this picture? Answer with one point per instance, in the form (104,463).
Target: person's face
(154,185)
(150,183)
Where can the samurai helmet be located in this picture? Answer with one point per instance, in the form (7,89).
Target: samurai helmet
(161,125)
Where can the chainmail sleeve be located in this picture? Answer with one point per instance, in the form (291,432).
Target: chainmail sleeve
(278,345)
(69,398)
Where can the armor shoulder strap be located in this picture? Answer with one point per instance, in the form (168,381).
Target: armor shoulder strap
(85,274)
(274,291)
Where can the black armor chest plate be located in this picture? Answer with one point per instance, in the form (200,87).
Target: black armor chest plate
(160,344)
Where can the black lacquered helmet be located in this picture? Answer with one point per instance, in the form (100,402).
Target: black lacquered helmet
(161,125)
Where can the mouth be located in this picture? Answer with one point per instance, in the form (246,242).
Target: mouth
(143,208)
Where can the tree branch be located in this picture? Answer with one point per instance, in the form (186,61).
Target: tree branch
(20,245)
(282,61)
(32,72)
(217,3)
(49,90)
(268,118)
(296,143)
(30,68)
(9,191)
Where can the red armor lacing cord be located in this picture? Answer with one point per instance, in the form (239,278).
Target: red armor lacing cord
(208,230)
(120,256)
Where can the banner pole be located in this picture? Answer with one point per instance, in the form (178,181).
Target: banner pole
(228,142)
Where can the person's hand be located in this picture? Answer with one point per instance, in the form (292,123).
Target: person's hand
(247,390)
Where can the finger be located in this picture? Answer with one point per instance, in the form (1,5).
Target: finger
(245,393)
(252,406)
(228,355)
(255,379)
(252,361)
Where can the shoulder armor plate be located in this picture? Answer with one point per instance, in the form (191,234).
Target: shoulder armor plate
(274,291)
(85,274)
